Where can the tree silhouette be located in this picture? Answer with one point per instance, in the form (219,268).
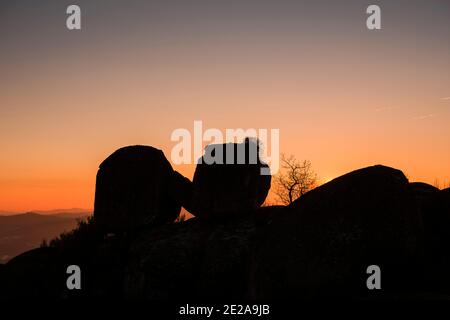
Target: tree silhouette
(444,185)
(294,179)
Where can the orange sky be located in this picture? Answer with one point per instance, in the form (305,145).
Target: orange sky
(342,96)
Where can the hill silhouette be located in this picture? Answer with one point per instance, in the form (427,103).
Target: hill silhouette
(318,247)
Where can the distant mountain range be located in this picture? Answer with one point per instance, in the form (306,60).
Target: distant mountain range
(72,211)
(25,231)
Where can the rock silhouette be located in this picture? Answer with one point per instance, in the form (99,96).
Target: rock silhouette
(228,188)
(208,259)
(329,236)
(435,208)
(422,192)
(36,271)
(320,246)
(134,188)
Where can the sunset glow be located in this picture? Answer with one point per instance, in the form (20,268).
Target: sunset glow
(343,97)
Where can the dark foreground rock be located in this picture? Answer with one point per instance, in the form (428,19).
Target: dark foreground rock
(36,273)
(319,247)
(435,210)
(228,188)
(197,259)
(422,192)
(328,238)
(134,188)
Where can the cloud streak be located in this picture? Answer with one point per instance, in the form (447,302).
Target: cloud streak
(425,116)
(383,109)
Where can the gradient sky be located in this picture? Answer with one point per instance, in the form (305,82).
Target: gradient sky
(342,96)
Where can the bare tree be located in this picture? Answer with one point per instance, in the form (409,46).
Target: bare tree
(442,186)
(436,183)
(294,179)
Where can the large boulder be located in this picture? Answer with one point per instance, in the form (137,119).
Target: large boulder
(423,192)
(223,188)
(436,215)
(134,188)
(330,235)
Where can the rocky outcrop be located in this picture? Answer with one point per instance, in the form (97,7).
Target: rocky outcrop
(134,188)
(36,273)
(325,242)
(435,210)
(208,259)
(422,192)
(318,247)
(224,188)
